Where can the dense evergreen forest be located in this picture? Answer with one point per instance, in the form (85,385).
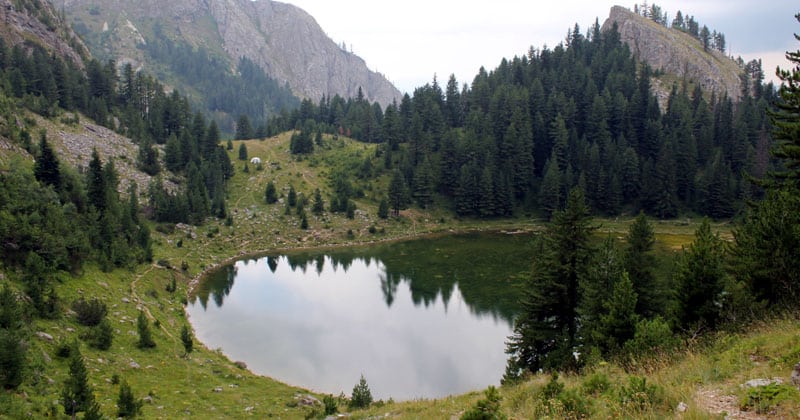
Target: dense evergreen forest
(580,114)
(605,302)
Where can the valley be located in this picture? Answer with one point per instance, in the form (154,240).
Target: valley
(617,235)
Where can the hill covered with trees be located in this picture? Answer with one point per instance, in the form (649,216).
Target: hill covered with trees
(581,114)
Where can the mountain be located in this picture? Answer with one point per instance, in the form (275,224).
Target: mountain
(282,39)
(37,22)
(676,54)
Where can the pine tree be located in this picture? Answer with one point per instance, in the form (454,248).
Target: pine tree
(244,130)
(148,158)
(93,412)
(546,332)
(604,271)
(292,197)
(767,245)
(618,324)
(242,151)
(700,278)
(786,121)
(127,404)
(640,264)
(96,183)
(303,220)
(145,337)
(361,396)
(172,154)
(186,339)
(383,209)
(46,168)
(77,395)
(397,193)
(550,191)
(103,335)
(270,193)
(318,206)
(12,358)
(767,248)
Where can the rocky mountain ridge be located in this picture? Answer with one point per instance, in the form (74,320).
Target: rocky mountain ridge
(675,53)
(283,39)
(36,21)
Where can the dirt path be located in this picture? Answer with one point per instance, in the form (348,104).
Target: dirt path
(138,299)
(715,402)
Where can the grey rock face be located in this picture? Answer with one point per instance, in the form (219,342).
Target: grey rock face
(675,52)
(283,39)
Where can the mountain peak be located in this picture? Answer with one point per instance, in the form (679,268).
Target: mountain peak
(675,52)
(282,39)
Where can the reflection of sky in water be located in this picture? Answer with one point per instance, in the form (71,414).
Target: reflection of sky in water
(323,331)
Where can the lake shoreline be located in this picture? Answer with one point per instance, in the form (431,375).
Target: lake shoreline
(197,279)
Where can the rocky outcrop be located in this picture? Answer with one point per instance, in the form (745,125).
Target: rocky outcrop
(283,39)
(38,22)
(675,53)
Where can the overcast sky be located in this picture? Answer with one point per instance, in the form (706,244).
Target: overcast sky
(411,40)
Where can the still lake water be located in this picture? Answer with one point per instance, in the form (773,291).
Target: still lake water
(419,319)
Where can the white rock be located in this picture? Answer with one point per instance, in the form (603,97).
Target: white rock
(44,336)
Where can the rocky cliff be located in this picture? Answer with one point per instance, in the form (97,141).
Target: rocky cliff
(36,21)
(283,39)
(675,53)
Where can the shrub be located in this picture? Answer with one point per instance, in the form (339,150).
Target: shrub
(487,408)
(12,360)
(145,338)
(762,399)
(102,336)
(331,406)
(650,336)
(127,404)
(186,339)
(89,313)
(639,395)
(597,383)
(574,403)
(172,286)
(63,350)
(362,396)
(553,388)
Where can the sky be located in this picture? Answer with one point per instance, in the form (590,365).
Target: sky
(410,41)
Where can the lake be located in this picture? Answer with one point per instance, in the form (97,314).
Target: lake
(423,318)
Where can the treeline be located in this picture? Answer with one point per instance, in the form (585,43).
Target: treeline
(686,24)
(582,114)
(247,91)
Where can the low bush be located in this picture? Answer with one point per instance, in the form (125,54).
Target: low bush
(91,312)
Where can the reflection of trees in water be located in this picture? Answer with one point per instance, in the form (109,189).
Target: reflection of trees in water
(272,262)
(488,270)
(217,285)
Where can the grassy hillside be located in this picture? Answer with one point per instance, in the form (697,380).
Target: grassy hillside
(706,376)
